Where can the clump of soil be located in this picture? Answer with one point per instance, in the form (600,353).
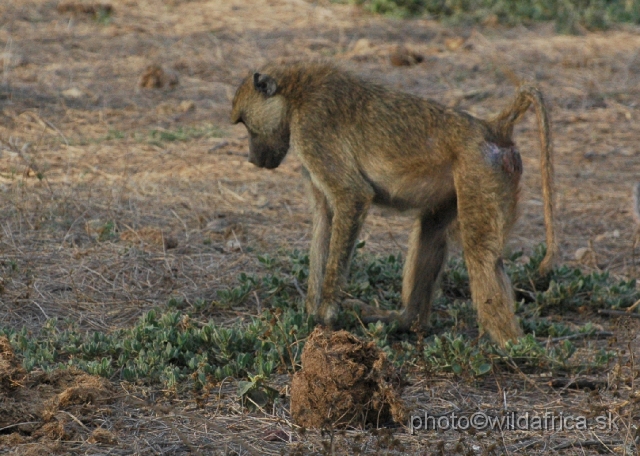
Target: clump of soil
(155,77)
(402,56)
(33,406)
(104,436)
(76,8)
(11,372)
(344,381)
(151,236)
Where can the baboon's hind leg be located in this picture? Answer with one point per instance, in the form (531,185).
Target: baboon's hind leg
(485,202)
(426,255)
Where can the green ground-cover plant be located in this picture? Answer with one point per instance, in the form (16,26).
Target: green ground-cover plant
(569,15)
(176,345)
(169,347)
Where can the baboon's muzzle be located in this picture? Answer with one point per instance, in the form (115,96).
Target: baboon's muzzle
(268,156)
(265,161)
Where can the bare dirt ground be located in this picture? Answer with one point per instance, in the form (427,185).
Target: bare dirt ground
(115,198)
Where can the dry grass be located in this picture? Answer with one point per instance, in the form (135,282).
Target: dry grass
(115,198)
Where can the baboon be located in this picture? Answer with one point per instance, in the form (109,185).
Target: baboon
(361,143)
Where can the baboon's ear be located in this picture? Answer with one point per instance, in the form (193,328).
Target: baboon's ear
(265,84)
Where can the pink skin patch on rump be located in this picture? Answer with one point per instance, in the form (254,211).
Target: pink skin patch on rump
(506,159)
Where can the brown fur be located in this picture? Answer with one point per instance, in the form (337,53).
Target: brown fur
(362,144)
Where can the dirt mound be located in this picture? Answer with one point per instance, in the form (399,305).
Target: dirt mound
(344,382)
(43,407)
(156,77)
(11,372)
(402,56)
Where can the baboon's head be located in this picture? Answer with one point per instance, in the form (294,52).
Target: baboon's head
(263,110)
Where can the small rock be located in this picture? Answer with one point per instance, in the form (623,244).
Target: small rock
(362,46)
(261,201)
(186,106)
(73,92)
(453,44)
(220,145)
(234,245)
(615,234)
(581,253)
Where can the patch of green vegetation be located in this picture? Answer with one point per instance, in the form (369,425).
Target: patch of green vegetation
(108,231)
(565,289)
(569,15)
(169,347)
(113,134)
(103,14)
(570,290)
(255,393)
(377,279)
(176,346)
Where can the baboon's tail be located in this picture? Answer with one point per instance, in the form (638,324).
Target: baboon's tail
(503,127)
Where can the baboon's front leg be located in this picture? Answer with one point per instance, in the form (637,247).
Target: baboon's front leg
(425,257)
(348,217)
(319,251)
